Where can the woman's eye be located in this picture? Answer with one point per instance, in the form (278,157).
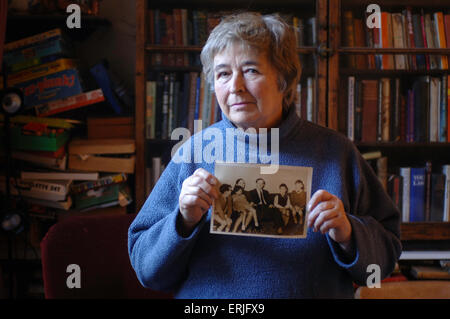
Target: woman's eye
(251,71)
(222,74)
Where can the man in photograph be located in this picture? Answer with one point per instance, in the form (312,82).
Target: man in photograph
(264,206)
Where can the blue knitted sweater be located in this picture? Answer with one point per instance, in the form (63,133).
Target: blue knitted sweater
(205,265)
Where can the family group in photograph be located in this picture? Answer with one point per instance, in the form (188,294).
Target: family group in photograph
(259,212)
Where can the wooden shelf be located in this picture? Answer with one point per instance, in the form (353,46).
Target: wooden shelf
(365,50)
(425,231)
(391,72)
(198,48)
(37,23)
(433,145)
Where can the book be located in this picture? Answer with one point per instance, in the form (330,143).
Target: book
(441,41)
(369,110)
(64,205)
(102,163)
(395,190)
(101,146)
(429,272)
(385,111)
(446,173)
(101,182)
(386,40)
(405,173)
(434,109)
(150,109)
(55,190)
(398,40)
(57,163)
(41,70)
(417,194)
(40,37)
(70,103)
(67,175)
(437,197)
(351,109)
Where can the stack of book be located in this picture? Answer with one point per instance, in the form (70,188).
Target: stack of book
(113,159)
(405,29)
(42,66)
(52,169)
(410,110)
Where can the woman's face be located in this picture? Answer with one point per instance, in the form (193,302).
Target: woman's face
(246,88)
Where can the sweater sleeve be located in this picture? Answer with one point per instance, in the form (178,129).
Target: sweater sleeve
(375,224)
(158,253)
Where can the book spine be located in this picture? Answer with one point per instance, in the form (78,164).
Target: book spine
(104,181)
(69,103)
(441,40)
(54,33)
(446,172)
(41,70)
(417,194)
(405,172)
(443,124)
(351,108)
(410,33)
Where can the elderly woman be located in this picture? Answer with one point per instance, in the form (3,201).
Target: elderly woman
(253,62)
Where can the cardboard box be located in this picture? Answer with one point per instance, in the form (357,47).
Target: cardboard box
(102,155)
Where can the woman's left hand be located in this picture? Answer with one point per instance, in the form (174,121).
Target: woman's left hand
(327,214)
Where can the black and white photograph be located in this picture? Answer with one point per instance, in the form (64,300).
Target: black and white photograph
(255,204)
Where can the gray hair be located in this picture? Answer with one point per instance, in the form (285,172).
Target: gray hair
(269,34)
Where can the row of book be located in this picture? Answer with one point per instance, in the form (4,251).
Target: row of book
(406,29)
(410,110)
(177,99)
(184,27)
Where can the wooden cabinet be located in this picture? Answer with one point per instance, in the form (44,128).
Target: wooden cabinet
(328,68)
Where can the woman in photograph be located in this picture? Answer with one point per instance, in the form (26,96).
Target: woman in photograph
(252,59)
(245,210)
(298,201)
(283,204)
(223,208)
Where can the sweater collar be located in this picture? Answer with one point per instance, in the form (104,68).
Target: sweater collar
(290,123)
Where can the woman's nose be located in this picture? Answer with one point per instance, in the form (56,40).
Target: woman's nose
(237,83)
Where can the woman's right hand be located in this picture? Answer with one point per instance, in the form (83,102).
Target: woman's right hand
(197,195)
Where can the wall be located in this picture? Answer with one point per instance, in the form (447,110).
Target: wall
(116,43)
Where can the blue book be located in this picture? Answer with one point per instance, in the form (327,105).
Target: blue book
(417,194)
(197,99)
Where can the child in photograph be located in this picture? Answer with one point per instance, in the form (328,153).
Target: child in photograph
(244,208)
(298,201)
(223,208)
(283,203)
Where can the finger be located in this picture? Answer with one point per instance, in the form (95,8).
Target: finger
(207,176)
(328,225)
(188,201)
(319,196)
(199,181)
(198,191)
(325,216)
(318,209)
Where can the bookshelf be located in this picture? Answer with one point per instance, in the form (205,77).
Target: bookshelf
(400,153)
(330,74)
(145,49)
